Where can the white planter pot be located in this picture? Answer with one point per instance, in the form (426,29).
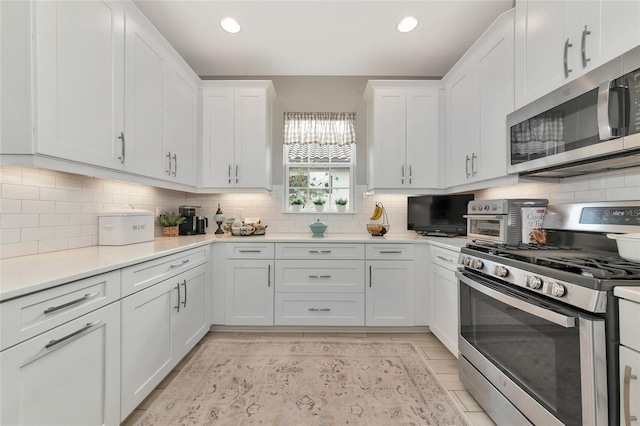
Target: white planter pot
(296,208)
(340,208)
(319,207)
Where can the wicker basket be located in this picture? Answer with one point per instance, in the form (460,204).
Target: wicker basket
(170,231)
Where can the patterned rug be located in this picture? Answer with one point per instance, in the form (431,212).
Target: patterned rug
(239,382)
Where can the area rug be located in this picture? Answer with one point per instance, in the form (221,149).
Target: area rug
(265,382)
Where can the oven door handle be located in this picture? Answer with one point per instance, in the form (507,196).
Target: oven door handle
(483,216)
(554,317)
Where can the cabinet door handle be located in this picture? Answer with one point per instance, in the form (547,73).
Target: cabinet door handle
(319,276)
(410,174)
(249,251)
(69,336)
(269,276)
(229,175)
(175,164)
(370,273)
(444,258)
(124,146)
(319,251)
(567,45)
(585,33)
(473,164)
(466,165)
(403,174)
(319,310)
(177,265)
(184,304)
(179,298)
(169,157)
(73,302)
(626,395)
(236,173)
(390,251)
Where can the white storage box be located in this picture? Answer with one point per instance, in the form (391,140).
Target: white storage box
(122,227)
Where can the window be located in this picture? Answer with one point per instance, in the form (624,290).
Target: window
(319,159)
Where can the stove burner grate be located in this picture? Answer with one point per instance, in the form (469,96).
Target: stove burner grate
(596,267)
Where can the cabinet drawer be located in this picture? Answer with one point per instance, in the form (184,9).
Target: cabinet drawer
(249,251)
(389,251)
(319,309)
(629,320)
(319,251)
(143,275)
(445,258)
(28,316)
(319,276)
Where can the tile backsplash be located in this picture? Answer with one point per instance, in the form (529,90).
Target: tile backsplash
(43,210)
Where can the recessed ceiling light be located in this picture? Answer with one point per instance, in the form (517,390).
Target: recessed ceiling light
(407,24)
(230,25)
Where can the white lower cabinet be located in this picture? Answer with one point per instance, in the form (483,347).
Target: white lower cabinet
(69,375)
(444,297)
(160,324)
(629,361)
(249,292)
(389,293)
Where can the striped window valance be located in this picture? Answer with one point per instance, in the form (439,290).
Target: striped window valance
(319,128)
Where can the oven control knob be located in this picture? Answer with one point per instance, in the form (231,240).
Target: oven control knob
(494,207)
(486,207)
(533,282)
(473,207)
(556,289)
(499,271)
(476,263)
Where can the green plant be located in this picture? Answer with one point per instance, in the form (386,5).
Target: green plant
(297,202)
(341,201)
(319,201)
(171,219)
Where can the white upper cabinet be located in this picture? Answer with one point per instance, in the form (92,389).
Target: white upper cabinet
(236,134)
(403,134)
(478,96)
(557,41)
(79,58)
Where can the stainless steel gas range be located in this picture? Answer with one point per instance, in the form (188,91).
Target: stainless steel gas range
(539,335)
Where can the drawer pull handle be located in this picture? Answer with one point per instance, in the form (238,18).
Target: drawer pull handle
(269,276)
(73,302)
(628,418)
(249,251)
(184,304)
(370,274)
(444,258)
(391,251)
(177,265)
(69,336)
(177,307)
(319,276)
(319,310)
(319,251)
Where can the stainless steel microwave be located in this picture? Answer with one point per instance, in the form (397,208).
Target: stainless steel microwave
(591,124)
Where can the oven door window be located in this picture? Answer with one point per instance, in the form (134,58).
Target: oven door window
(541,357)
(489,226)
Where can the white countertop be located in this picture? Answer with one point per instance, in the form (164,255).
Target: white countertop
(629,293)
(27,274)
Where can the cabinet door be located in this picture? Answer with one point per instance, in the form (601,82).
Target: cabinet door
(75,381)
(218,169)
(422,139)
(445,307)
(249,292)
(389,293)
(192,318)
(463,124)
(252,145)
(80,81)
(389,138)
(495,78)
(180,125)
(629,359)
(148,348)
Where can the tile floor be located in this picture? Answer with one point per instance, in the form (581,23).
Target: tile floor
(439,358)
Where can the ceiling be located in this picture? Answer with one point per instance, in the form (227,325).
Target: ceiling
(322,38)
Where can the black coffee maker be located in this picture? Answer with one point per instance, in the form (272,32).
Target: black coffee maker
(189,226)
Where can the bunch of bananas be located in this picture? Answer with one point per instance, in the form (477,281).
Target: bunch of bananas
(377,212)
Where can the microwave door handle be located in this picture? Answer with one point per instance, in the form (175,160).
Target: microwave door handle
(554,317)
(604,123)
(483,216)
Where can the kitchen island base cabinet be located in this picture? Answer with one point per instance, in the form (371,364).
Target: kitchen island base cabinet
(69,375)
(159,326)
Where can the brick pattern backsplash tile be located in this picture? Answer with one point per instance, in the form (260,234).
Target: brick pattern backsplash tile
(43,210)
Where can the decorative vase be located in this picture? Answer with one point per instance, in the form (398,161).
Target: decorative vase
(341,208)
(319,207)
(296,208)
(318,228)
(170,231)
(219,219)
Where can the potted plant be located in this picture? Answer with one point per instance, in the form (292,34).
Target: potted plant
(319,203)
(341,204)
(169,222)
(296,204)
